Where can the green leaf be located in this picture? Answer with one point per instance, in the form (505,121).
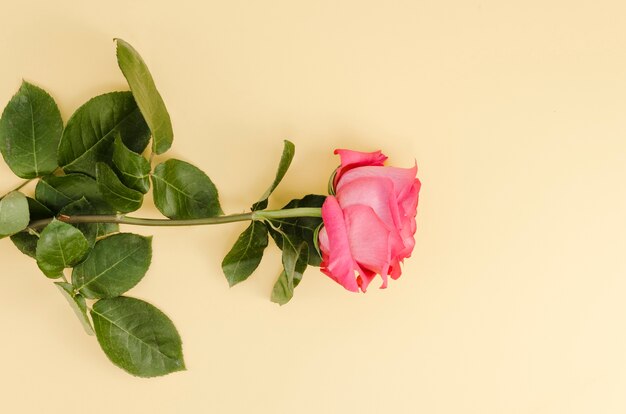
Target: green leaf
(137,337)
(37,210)
(147,96)
(14,215)
(182,191)
(301,228)
(133,169)
(281,291)
(115,265)
(89,134)
(120,197)
(104,229)
(30,129)
(295,260)
(246,254)
(57,192)
(77,303)
(26,242)
(60,245)
(285,161)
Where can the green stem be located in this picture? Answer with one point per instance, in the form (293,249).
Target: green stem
(288,213)
(138,221)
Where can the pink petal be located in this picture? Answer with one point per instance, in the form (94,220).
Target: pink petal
(323,240)
(338,262)
(364,278)
(369,238)
(402,178)
(409,198)
(352,159)
(394,270)
(408,209)
(374,192)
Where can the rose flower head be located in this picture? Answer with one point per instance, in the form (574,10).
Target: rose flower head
(369,222)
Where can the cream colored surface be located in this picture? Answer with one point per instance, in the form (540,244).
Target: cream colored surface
(513,301)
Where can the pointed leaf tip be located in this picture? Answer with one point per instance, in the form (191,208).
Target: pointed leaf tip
(137,337)
(30,130)
(289,150)
(146,94)
(246,254)
(183,191)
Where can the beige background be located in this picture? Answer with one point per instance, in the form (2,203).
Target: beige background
(513,301)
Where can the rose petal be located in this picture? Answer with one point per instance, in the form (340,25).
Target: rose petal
(323,240)
(364,278)
(377,193)
(394,270)
(338,262)
(408,209)
(369,238)
(409,198)
(402,178)
(352,159)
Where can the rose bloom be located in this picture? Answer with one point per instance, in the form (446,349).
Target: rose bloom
(370,221)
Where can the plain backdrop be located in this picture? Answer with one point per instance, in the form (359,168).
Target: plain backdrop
(515,112)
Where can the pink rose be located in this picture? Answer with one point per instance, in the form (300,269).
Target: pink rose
(370,222)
